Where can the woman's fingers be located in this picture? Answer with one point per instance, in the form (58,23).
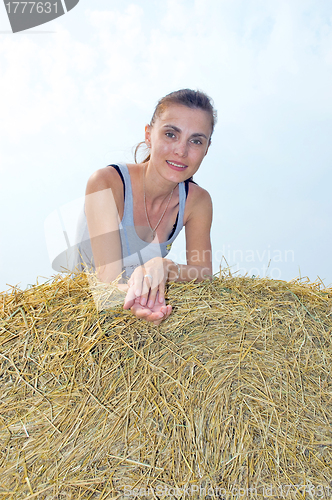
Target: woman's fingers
(157,314)
(161,294)
(136,281)
(146,294)
(154,292)
(156,295)
(139,288)
(146,289)
(146,313)
(130,298)
(149,291)
(141,283)
(157,291)
(168,310)
(148,283)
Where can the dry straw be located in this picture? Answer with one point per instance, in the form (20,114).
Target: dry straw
(232,393)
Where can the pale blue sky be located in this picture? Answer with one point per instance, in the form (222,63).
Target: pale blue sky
(77,99)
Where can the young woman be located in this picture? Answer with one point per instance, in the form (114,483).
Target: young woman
(134,212)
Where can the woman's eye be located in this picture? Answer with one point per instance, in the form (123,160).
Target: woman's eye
(196,141)
(170,134)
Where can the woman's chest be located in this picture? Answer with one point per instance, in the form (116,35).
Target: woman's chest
(154,223)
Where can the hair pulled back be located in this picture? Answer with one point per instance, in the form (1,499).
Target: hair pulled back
(195,99)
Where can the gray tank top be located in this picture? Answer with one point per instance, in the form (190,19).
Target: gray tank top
(135,251)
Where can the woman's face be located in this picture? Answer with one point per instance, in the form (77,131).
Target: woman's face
(179,139)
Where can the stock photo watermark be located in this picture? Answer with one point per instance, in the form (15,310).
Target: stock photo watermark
(255,262)
(26,15)
(70,248)
(233,491)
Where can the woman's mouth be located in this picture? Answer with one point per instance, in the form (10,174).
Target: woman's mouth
(177,166)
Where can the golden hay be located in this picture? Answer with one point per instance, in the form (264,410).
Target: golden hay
(232,394)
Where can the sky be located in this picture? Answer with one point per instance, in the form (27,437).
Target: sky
(76,93)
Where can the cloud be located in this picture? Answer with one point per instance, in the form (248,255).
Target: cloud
(274,51)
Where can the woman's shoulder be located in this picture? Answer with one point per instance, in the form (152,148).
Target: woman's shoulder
(103,178)
(199,202)
(196,194)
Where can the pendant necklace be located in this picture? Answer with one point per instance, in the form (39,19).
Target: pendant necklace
(153,231)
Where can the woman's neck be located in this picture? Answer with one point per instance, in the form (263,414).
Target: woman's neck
(156,187)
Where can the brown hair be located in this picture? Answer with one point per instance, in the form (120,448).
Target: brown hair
(186,97)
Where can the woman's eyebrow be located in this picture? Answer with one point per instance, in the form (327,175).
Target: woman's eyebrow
(173,127)
(196,134)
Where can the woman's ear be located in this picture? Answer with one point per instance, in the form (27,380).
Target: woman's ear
(148,135)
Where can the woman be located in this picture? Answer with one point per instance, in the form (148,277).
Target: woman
(134,212)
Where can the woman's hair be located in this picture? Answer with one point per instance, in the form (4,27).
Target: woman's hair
(195,99)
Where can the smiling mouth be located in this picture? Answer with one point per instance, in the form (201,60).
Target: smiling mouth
(176,164)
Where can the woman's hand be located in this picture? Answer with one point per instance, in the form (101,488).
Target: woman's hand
(146,294)
(148,283)
(158,313)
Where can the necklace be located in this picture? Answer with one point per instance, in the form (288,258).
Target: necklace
(153,231)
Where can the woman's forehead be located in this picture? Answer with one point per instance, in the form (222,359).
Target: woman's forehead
(185,116)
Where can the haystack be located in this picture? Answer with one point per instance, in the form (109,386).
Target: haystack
(231,397)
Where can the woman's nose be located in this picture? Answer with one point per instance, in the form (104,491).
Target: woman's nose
(181,148)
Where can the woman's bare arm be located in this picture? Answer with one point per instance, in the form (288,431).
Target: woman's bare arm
(103,224)
(198,242)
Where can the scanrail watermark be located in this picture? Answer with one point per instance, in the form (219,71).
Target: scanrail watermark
(26,15)
(233,491)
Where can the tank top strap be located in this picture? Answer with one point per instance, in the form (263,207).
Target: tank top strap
(128,210)
(182,202)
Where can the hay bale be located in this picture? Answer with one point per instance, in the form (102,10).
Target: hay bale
(234,390)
